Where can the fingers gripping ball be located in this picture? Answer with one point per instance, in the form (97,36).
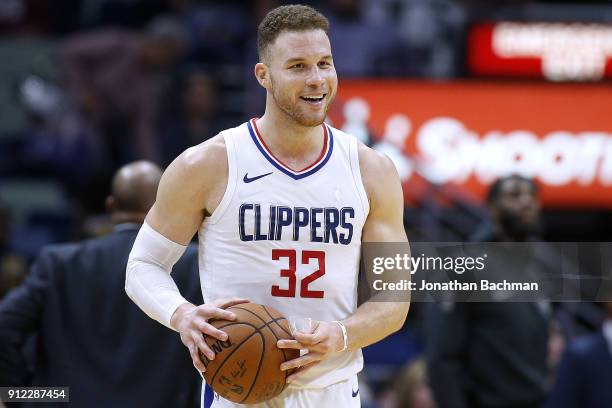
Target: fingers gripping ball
(246,367)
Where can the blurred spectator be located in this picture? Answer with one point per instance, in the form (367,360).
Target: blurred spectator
(514,209)
(431,31)
(12,272)
(584,378)
(116,77)
(43,16)
(430,36)
(132,14)
(218,32)
(23,16)
(4,230)
(556,346)
(492,354)
(190,115)
(359,44)
(12,266)
(91,336)
(57,143)
(410,389)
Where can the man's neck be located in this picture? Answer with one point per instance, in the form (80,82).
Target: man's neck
(502,235)
(288,139)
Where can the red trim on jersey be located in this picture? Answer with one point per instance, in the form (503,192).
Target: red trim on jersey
(318,160)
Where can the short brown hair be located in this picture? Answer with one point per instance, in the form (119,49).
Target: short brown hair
(294,17)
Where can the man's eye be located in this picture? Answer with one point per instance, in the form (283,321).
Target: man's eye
(299,66)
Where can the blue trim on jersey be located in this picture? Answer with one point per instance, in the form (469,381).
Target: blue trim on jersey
(293,175)
(208,394)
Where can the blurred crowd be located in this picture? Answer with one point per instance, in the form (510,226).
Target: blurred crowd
(87,86)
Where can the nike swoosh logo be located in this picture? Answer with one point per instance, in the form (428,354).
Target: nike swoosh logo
(355,392)
(248,179)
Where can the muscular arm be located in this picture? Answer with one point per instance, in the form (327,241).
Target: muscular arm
(191,188)
(375,320)
(169,226)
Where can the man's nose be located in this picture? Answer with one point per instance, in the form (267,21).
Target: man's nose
(314,77)
(527,200)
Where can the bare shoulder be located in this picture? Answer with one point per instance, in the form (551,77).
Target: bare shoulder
(198,173)
(190,189)
(378,172)
(207,158)
(384,190)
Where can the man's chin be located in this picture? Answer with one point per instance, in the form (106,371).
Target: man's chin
(304,116)
(310,120)
(518,228)
(311,123)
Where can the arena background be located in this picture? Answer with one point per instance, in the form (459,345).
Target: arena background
(456,92)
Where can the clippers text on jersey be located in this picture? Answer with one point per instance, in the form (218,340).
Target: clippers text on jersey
(316,224)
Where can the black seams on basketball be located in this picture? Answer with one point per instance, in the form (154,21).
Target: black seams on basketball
(246,367)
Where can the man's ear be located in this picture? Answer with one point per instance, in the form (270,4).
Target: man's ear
(262,74)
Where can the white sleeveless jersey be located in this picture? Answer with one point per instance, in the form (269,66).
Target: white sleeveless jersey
(289,239)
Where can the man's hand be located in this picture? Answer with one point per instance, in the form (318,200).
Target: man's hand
(192,324)
(326,339)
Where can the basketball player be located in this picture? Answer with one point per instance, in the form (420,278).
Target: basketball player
(281,205)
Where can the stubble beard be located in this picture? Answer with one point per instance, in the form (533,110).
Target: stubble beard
(295,113)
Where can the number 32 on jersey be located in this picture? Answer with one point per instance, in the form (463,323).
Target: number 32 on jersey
(306,258)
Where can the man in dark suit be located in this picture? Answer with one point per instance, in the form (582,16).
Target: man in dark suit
(492,354)
(90,336)
(584,377)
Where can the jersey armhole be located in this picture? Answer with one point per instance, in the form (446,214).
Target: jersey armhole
(357,180)
(231,181)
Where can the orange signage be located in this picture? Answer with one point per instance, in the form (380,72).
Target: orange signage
(470,133)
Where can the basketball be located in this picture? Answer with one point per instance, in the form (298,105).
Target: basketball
(246,368)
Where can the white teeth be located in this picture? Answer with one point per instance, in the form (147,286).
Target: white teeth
(313,98)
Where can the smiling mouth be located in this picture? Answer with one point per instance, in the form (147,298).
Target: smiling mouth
(313,99)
